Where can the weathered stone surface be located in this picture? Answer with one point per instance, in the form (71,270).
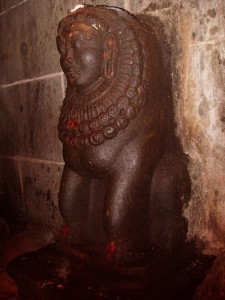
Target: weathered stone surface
(28,119)
(165,24)
(4,5)
(147,6)
(203,138)
(199,97)
(194,31)
(40,191)
(12,198)
(205,20)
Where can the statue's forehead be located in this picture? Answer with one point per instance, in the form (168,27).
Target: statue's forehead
(81,27)
(78,27)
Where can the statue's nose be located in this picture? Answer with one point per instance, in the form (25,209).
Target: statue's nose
(68,56)
(68,59)
(66,62)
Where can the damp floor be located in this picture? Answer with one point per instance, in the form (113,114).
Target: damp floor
(32,239)
(16,244)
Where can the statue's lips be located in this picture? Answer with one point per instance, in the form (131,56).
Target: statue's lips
(72,73)
(70,69)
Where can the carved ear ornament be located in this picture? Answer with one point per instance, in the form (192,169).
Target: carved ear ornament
(110,49)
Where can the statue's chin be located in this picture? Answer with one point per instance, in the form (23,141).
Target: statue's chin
(85,88)
(71,81)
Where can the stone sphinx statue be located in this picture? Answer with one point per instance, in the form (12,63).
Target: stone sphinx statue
(125,179)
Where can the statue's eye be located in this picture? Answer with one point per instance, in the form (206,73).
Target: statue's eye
(76,44)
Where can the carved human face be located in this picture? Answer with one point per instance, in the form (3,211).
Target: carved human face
(81,55)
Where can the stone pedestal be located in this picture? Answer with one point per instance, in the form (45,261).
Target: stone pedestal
(51,274)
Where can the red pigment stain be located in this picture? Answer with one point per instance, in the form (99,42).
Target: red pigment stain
(110,249)
(60,286)
(70,139)
(71,124)
(106,55)
(110,42)
(66,230)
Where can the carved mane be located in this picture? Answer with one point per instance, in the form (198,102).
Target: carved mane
(90,119)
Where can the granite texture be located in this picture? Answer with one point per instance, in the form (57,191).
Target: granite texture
(40,192)
(29,117)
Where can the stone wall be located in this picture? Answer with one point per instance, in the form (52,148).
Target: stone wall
(32,89)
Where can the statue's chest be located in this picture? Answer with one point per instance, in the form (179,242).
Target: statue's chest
(97,160)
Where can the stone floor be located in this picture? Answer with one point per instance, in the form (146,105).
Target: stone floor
(13,245)
(32,239)
(213,287)
(80,277)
